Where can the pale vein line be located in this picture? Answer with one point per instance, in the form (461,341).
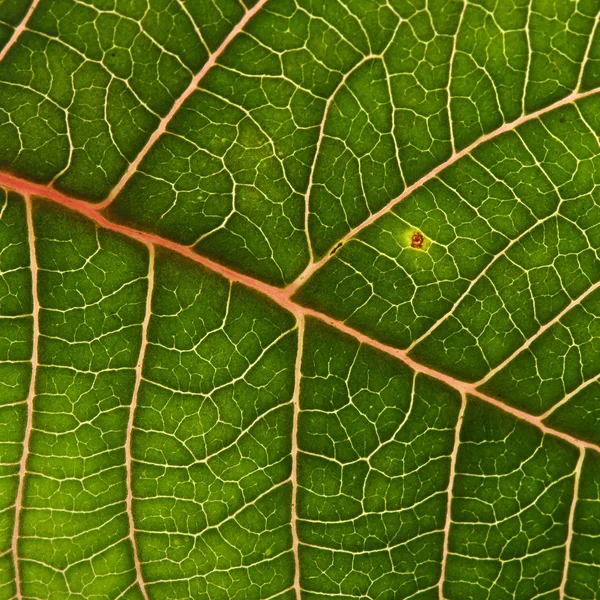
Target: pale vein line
(461,386)
(563,583)
(586,56)
(184,8)
(136,389)
(177,105)
(461,414)
(282,298)
(528,67)
(296,399)
(450,69)
(18,30)
(314,266)
(30,394)
(540,331)
(585,383)
(328,104)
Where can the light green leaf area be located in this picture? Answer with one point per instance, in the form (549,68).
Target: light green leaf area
(374,442)
(299,300)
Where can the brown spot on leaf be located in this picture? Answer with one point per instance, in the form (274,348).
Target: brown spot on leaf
(335,249)
(416,241)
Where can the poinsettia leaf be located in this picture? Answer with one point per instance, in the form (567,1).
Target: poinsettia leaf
(299,300)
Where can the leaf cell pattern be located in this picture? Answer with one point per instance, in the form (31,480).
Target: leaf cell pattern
(226,369)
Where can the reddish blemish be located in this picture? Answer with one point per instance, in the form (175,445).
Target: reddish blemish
(336,249)
(417,240)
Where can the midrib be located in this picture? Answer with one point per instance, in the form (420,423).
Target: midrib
(278,295)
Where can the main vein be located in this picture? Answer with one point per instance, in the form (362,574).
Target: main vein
(571,521)
(30,395)
(136,389)
(296,400)
(283,298)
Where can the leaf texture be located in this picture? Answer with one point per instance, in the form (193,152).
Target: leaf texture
(299,300)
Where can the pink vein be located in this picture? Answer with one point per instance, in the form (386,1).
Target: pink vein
(18,30)
(298,374)
(280,296)
(30,396)
(136,389)
(82,207)
(177,105)
(461,386)
(314,266)
(561,593)
(461,415)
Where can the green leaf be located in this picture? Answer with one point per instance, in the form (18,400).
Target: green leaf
(299,300)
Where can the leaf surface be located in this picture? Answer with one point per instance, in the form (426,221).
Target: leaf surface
(299,300)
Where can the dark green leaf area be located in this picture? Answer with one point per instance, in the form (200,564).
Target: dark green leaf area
(212,439)
(15,272)
(7,576)
(356,171)
(515,59)
(219,181)
(512,495)
(99,280)
(544,270)
(15,299)
(489,69)
(377,283)
(86,84)
(556,365)
(11,14)
(206,331)
(58,128)
(373,468)
(559,34)
(418,64)
(91,288)
(583,581)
